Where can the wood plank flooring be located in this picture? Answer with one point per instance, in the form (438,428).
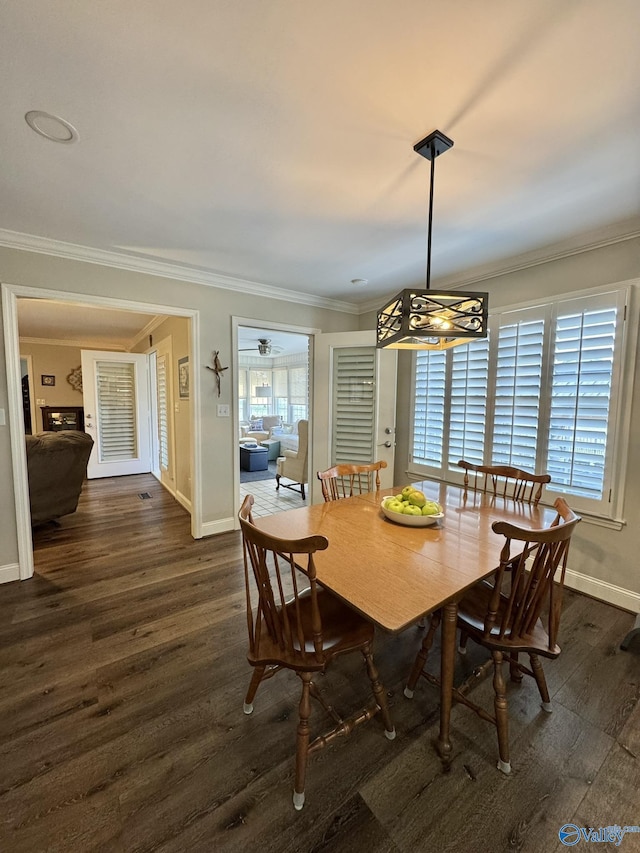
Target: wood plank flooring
(122,675)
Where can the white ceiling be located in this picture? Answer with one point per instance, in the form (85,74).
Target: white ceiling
(273,141)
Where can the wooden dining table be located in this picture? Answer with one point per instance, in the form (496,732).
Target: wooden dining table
(394,575)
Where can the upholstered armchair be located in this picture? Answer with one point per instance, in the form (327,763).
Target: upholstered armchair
(293,464)
(262,432)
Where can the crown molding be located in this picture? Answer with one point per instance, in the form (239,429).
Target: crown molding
(518,263)
(151,326)
(117,260)
(88,344)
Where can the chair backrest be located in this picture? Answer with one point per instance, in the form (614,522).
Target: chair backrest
(504,481)
(533,558)
(345,481)
(296,465)
(278,572)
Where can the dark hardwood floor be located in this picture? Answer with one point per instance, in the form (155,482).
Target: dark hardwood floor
(123,672)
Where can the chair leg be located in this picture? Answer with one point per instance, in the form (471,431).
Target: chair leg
(423,654)
(302,742)
(462,643)
(541,681)
(515,673)
(502,713)
(277,482)
(379,694)
(302,490)
(256,678)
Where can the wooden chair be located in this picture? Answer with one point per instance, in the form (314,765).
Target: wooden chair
(296,624)
(504,481)
(345,481)
(507,623)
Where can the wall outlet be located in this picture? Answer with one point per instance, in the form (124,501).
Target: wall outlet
(40,402)
(223,410)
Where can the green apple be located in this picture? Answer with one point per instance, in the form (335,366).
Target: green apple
(407,491)
(417,498)
(410,509)
(394,506)
(431,508)
(400,497)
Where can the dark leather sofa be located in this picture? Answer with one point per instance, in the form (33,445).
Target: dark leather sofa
(57,467)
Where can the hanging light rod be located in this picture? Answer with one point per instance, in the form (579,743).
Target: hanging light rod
(432,319)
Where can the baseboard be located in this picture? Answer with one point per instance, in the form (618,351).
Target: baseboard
(183,501)
(617,595)
(10,572)
(213,528)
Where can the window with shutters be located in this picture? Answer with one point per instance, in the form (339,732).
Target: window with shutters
(353,405)
(116,402)
(163,415)
(541,393)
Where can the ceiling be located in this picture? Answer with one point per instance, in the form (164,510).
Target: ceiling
(273,142)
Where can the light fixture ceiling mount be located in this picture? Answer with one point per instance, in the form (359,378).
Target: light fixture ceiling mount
(432,319)
(52,127)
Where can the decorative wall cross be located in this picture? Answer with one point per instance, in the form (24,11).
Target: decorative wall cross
(217,368)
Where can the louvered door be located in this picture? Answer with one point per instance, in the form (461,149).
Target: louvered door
(354,403)
(116,405)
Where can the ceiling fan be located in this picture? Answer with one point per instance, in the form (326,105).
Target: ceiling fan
(264,347)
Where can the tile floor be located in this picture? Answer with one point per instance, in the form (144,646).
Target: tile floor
(268,501)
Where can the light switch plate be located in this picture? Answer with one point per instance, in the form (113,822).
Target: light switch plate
(2,418)
(223,410)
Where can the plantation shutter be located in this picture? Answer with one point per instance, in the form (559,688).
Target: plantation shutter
(517,393)
(468,387)
(116,402)
(163,428)
(581,397)
(429,409)
(353,405)
(298,393)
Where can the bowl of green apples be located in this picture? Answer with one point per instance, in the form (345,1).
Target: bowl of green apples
(411,508)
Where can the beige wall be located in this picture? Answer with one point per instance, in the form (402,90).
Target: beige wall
(177,328)
(52,360)
(607,555)
(215,307)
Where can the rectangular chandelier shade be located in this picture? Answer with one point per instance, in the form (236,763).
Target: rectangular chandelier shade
(432,319)
(262,391)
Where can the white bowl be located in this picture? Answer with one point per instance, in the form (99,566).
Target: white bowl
(411,520)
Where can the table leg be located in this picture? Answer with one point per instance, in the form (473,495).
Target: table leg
(447,665)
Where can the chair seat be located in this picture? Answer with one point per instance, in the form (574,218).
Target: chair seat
(472,610)
(343,630)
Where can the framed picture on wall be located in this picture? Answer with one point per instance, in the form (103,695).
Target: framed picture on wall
(183,377)
(47,379)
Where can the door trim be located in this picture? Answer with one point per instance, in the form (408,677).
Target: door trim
(10,295)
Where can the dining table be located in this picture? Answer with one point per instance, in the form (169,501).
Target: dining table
(394,574)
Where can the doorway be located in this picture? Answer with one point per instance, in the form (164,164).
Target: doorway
(11,294)
(272,394)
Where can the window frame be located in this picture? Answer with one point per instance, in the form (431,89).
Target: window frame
(607,511)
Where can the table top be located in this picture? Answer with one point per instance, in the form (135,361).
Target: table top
(394,574)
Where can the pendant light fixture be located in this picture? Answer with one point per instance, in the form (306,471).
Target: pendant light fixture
(432,319)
